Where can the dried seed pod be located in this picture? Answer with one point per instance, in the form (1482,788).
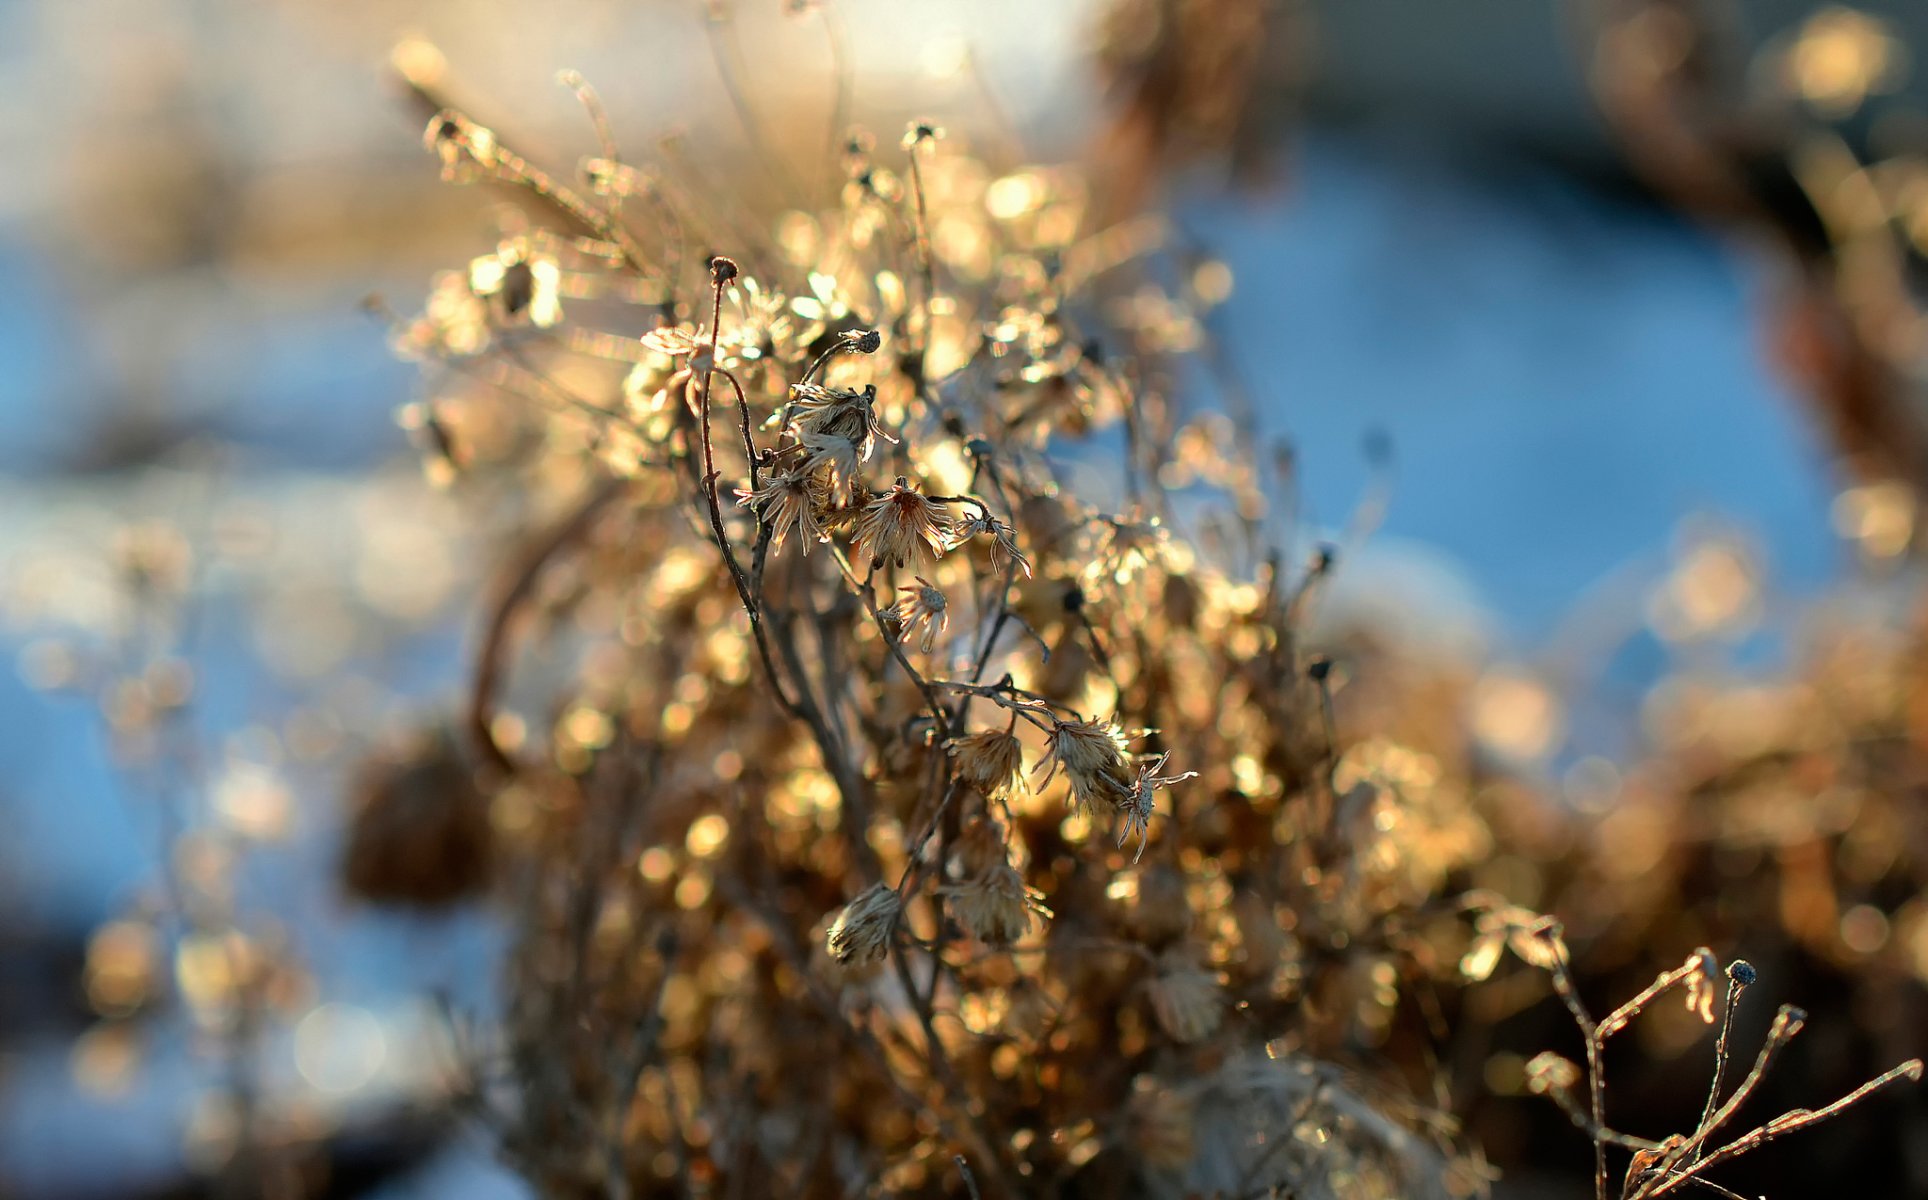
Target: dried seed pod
(419,835)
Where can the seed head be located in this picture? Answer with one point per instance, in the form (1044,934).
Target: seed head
(526,285)
(1092,756)
(786,502)
(1004,541)
(923,607)
(901,525)
(863,930)
(822,412)
(992,761)
(1135,810)
(1184,996)
(995,907)
(831,456)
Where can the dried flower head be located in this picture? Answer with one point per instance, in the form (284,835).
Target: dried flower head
(454,322)
(900,526)
(1092,756)
(786,502)
(1160,1120)
(1500,926)
(837,413)
(1004,543)
(923,607)
(465,148)
(991,760)
(526,284)
(835,458)
(420,834)
(1549,1072)
(1136,808)
(1701,984)
(764,325)
(862,932)
(995,907)
(1184,996)
(676,341)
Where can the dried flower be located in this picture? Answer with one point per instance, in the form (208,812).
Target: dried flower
(1135,809)
(834,456)
(901,525)
(765,326)
(1132,546)
(1029,1011)
(526,284)
(1548,1072)
(1161,1125)
(1701,986)
(1092,756)
(1184,996)
(419,835)
(786,502)
(1501,925)
(676,341)
(454,322)
(1004,543)
(837,413)
(465,148)
(992,761)
(995,907)
(923,607)
(862,932)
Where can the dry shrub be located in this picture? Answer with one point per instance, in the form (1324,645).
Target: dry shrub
(943,774)
(941,796)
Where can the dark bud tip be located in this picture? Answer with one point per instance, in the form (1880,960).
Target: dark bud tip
(1074,599)
(722,270)
(866,341)
(1324,557)
(1742,972)
(1319,669)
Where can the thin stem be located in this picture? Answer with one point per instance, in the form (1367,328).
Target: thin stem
(1737,981)
(1696,965)
(743,415)
(491,658)
(1569,995)
(863,591)
(1787,1023)
(1788,1122)
(926,273)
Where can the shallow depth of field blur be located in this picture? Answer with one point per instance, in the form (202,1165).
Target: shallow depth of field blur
(1582,339)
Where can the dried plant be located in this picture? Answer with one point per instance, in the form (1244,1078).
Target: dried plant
(897,754)
(967,761)
(1678,1160)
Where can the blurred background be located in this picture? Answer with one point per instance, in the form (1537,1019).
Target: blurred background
(1586,327)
